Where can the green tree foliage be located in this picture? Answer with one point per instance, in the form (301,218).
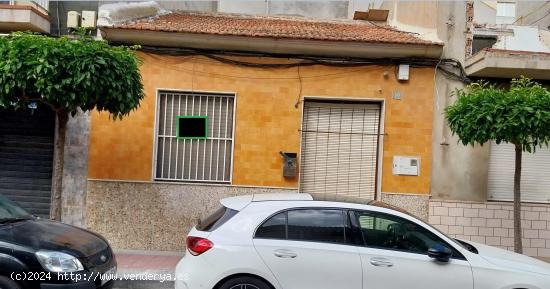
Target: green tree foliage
(519,115)
(67,74)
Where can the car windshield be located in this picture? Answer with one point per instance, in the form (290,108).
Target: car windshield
(9,211)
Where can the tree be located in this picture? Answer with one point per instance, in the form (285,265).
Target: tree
(67,74)
(519,115)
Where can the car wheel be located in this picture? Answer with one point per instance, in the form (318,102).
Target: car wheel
(245,283)
(8,283)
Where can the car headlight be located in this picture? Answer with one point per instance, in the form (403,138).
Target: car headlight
(58,261)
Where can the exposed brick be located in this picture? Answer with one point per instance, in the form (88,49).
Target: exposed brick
(479,206)
(471,231)
(494,223)
(463,237)
(526,243)
(489,214)
(501,232)
(486,232)
(539,225)
(448,220)
(493,241)
(543,252)
(434,220)
(479,222)
(494,207)
(529,251)
(441,211)
(471,213)
(526,224)
(448,205)
(462,221)
(456,230)
(538,243)
(544,216)
(544,234)
(548,244)
(509,242)
(456,212)
(531,215)
(507,223)
(539,209)
(502,214)
(464,205)
(531,234)
(508,208)
(478,239)
(442,228)
(435,204)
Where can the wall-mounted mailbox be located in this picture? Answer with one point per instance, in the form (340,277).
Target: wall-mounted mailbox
(408,166)
(290,165)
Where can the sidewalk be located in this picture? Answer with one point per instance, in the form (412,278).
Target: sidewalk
(146,269)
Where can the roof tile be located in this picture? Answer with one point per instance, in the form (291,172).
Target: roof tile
(274,27)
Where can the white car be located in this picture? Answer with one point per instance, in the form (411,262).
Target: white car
(290,241)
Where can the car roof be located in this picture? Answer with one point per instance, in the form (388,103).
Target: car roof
(239,202)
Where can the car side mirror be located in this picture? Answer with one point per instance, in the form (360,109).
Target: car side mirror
(440,253)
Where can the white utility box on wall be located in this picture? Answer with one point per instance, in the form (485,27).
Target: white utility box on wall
(88,19)
(73,19)
(408,166)
(403,72)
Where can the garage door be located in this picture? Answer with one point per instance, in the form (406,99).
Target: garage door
(535,177)
(26,155)
(339,148)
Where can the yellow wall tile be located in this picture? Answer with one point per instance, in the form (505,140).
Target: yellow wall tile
(266,118)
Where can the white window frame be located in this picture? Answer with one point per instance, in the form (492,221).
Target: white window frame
(156,135)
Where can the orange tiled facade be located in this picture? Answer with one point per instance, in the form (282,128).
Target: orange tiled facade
(267,120)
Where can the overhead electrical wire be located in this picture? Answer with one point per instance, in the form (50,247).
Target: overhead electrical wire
(451,68)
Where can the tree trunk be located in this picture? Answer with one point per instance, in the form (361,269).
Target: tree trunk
(518,247)
(59,156)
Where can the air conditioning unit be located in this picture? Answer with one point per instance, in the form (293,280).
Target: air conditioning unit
(89,19)
(73,19)
(408,166)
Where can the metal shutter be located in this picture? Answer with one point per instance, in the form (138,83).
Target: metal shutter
(535,175)
(339,149)
(26,156)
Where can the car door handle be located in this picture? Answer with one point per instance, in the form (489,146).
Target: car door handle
(381,262)
(282,253)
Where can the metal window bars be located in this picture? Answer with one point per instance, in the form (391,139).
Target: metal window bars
(200,160)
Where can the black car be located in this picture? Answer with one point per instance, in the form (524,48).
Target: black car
(39,253)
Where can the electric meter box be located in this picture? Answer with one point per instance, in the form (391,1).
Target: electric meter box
(73,19)
(406,166)
(88,19)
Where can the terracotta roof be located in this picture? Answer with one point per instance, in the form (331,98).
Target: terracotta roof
(274,27)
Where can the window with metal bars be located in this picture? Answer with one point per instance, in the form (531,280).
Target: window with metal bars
(204,159)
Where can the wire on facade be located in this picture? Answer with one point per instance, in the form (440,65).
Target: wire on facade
(451,68)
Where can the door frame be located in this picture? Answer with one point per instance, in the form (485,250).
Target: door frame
(381,133)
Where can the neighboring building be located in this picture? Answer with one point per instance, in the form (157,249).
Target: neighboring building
(24,16)
(149,180)
(26,135)
(471,187)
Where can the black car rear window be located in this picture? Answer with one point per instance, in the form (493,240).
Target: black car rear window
(216,219)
